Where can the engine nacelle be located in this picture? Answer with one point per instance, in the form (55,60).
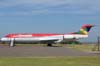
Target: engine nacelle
(76,36)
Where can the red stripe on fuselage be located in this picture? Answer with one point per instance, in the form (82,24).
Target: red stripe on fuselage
(34,35)
(29,35)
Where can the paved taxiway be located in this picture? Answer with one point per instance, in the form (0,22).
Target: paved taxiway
(31,51)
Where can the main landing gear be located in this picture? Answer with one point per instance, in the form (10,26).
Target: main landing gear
(49,44)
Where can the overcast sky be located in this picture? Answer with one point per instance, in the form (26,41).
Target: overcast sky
(49,16)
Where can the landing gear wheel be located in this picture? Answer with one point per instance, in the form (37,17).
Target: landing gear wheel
(49,44)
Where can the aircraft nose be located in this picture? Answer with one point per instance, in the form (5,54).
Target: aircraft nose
(5,39)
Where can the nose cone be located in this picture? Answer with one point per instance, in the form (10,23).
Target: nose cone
(5,39)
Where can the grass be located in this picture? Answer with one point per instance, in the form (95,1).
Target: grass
(54,61)
(36,45)
(51,61)
(84,47)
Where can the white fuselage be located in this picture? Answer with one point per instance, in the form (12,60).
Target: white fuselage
(45,38)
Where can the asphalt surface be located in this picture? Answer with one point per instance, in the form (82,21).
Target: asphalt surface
(31,51)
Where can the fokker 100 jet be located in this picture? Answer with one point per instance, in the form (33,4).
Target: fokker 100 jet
(47,38)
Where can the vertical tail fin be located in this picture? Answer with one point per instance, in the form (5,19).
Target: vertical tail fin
(85,29)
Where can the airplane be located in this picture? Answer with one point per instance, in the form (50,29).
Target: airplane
(47,38)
